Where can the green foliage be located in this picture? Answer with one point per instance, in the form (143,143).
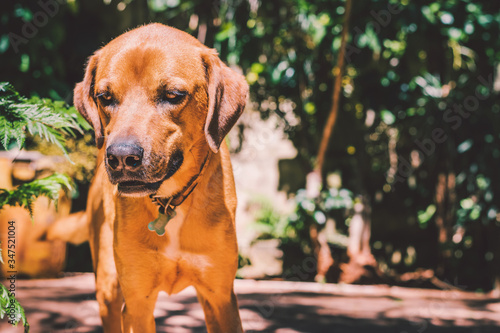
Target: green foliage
(25,194)
(81,151)
(424,216)
(9,305)
(269,222)
(294,228)
(243,261)
(50,120)
(318,210)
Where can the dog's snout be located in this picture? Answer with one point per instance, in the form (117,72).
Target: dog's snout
(124,156)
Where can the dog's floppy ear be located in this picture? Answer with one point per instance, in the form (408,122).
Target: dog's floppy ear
(227,95)
(83,99)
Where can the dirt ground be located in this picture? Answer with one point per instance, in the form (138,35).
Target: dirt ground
(68,305)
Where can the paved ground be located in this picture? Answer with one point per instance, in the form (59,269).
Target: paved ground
(68,305)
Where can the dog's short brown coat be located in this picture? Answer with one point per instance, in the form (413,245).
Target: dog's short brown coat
(171,96)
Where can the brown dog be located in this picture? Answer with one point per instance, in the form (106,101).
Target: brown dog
(161,104)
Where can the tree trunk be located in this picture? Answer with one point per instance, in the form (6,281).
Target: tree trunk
(445,203)
(314,180)
(358,249)
(493,246)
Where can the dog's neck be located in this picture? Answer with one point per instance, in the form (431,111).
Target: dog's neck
(178,199)
(169,204)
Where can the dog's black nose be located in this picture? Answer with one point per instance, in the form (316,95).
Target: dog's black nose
(124,155)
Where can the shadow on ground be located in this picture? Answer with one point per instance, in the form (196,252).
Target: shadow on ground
(69,305)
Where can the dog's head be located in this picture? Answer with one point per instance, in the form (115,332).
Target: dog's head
(158,101)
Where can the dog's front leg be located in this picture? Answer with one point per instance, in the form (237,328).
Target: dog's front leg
(221,310)
(138,282)
(108,293)
(137,314)
(100,213)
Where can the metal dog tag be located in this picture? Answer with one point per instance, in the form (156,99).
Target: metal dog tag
(160,223)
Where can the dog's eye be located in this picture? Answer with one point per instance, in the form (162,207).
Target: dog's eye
(172,96)
(106,98)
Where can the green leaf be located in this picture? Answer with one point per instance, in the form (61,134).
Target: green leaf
(467,203)
(425,216)
(26,194)
(50,120)
(428,14)
(257,67)
(464,146)
(11,308)
(320,217)
(475,213)
(387,117)
(228,30)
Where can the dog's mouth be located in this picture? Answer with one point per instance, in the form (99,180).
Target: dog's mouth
(137,187)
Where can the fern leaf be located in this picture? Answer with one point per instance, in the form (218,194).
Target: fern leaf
(26,194)
(8,301)
(48,119)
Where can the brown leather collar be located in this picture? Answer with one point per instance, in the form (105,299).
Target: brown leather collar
(167,203)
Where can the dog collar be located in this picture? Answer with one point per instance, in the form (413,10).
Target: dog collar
(169,204)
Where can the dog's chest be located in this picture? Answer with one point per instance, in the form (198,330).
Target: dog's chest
(172,250)
(175,249)
(180,266)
